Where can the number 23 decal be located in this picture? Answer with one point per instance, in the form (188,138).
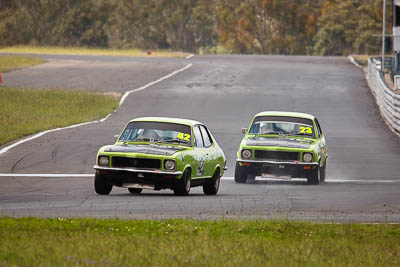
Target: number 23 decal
(306,130)
(183,136)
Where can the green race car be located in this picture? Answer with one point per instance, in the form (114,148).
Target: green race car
(161,153)
(282,144)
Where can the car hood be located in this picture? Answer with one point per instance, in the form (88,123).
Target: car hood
(281,142)
(144,149)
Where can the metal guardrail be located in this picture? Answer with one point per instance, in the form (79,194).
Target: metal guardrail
(378,62)
(387,100)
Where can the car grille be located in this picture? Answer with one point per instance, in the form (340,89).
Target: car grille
(136,163)
(276,155)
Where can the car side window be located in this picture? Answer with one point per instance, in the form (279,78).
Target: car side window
(318,128)
(198,140)
(206,136)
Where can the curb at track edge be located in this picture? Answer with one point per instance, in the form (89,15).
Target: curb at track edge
(29,138)
(354,62)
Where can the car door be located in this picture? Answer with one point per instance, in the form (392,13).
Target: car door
(199,154)
(322,142)
(209,149)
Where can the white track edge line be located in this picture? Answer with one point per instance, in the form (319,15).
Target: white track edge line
(352,60)
(228,178)
(327,181)
(153,83)
(5,149)
(189,56)
(51,175)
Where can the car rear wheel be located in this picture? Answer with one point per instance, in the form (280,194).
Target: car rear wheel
(101,187)
(323,173)
(315,176)
(135,190)
(240,174)
(211,187)
(182,186)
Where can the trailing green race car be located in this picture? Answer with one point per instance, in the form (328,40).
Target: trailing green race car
(161,153)
(282,144)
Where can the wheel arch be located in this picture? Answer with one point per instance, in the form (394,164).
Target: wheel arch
(187,167)
(217,167)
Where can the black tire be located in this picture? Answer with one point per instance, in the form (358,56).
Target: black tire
(101,187)
(240,174)
(212,186)
(135,190)
(315,176)
(182,186)
(323,172)
(251,178)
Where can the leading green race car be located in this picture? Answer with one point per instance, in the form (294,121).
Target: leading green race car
(282,144)
(161,153)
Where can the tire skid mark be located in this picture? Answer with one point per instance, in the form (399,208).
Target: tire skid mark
(54,152)
(21,159)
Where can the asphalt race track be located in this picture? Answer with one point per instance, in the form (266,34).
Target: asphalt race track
(224,92)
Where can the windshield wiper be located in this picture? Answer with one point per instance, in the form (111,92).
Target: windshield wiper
(302,134)
(139,140)
(267,133)
(173,141)
(147,139)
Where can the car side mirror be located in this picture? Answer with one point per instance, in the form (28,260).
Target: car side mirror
(116,136)
(244,130)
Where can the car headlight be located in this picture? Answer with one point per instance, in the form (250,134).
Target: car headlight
(246,153)
(307,157)
(104,160)
(169,165)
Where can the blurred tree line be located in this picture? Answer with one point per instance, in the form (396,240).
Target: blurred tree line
(320,27)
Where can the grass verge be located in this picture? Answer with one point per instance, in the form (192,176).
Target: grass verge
(362,59)
(90,51)
(8,63)
(28,111)
(113,242)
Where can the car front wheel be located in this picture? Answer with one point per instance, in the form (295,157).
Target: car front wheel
(315,176)
(101,187)
(240,174)
(135,190)
(212,186)
(182,186)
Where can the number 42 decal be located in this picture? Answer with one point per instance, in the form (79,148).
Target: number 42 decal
(306,130)
(183,136)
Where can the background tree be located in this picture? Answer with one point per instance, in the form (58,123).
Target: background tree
(346,27)
(324,27)
(84,24)
(8,23)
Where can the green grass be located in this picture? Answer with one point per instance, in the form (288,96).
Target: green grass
(28,111)
(219,49)
(113,242)
(362,59)
(90,51)
(8,63)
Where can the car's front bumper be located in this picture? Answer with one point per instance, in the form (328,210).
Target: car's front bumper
(287,168)
(142,178)
(137,170)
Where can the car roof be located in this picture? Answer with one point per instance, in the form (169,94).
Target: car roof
(285,114)
(168,120)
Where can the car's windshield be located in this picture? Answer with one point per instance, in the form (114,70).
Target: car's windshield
(281,127)
(157,132)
